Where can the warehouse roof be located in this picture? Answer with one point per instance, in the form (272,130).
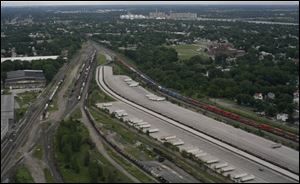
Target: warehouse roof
(7,112)
(19,74)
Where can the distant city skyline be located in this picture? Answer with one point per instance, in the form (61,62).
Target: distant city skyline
(56,3)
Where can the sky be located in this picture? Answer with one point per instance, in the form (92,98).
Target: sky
(44,3)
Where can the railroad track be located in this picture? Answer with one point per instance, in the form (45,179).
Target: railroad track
(207,107)
(31,116)
(220,143)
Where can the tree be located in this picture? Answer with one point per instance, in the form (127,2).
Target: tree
(74,164)
(93,172)
(270,109)
(86,158)
(244,99)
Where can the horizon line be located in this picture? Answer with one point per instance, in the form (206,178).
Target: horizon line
(150,5)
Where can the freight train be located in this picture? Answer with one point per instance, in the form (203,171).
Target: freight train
(216,110)
(51,97)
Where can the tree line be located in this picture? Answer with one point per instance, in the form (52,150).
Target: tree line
(198,77)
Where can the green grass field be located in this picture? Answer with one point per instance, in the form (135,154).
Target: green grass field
(76,114)
(96,95)
(189,50)
(101,59)
(23,175)
(24,100)
(38,152)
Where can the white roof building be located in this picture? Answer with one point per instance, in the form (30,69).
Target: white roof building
(258,96)
(282,116)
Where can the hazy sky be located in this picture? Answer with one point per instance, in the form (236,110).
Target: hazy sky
(37,3)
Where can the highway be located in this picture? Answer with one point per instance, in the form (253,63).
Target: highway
(248,159)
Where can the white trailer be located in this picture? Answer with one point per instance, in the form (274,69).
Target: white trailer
(248,178)
(212,161)
(134,84)
(227,169)
(221,165)
(177,143)
(120,113)
(142,123)
(107,105)
(127,80)
(192,150)
(168,137)
(160,98)
(135,120)
(237,176)
(145,126)
(153,130)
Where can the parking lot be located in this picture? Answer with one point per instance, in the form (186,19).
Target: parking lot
(240,164)
(284,156)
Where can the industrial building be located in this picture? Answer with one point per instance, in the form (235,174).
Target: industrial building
(25,79)
(173,15)
(7,113)
(183,16)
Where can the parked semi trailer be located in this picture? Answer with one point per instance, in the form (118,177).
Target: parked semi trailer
(216,110)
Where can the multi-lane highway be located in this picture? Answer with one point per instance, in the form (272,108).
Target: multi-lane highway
(264,170)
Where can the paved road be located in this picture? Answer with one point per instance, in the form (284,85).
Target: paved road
(266,175)
(284,156)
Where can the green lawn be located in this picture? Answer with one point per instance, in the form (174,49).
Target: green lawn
(23,175)
(96,95)
(101,59)
(24,100)
(189,50)
(38,152)
(76,114)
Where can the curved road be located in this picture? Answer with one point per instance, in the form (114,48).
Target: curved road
(103,86)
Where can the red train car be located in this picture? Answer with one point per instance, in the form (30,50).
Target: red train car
(230,115)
